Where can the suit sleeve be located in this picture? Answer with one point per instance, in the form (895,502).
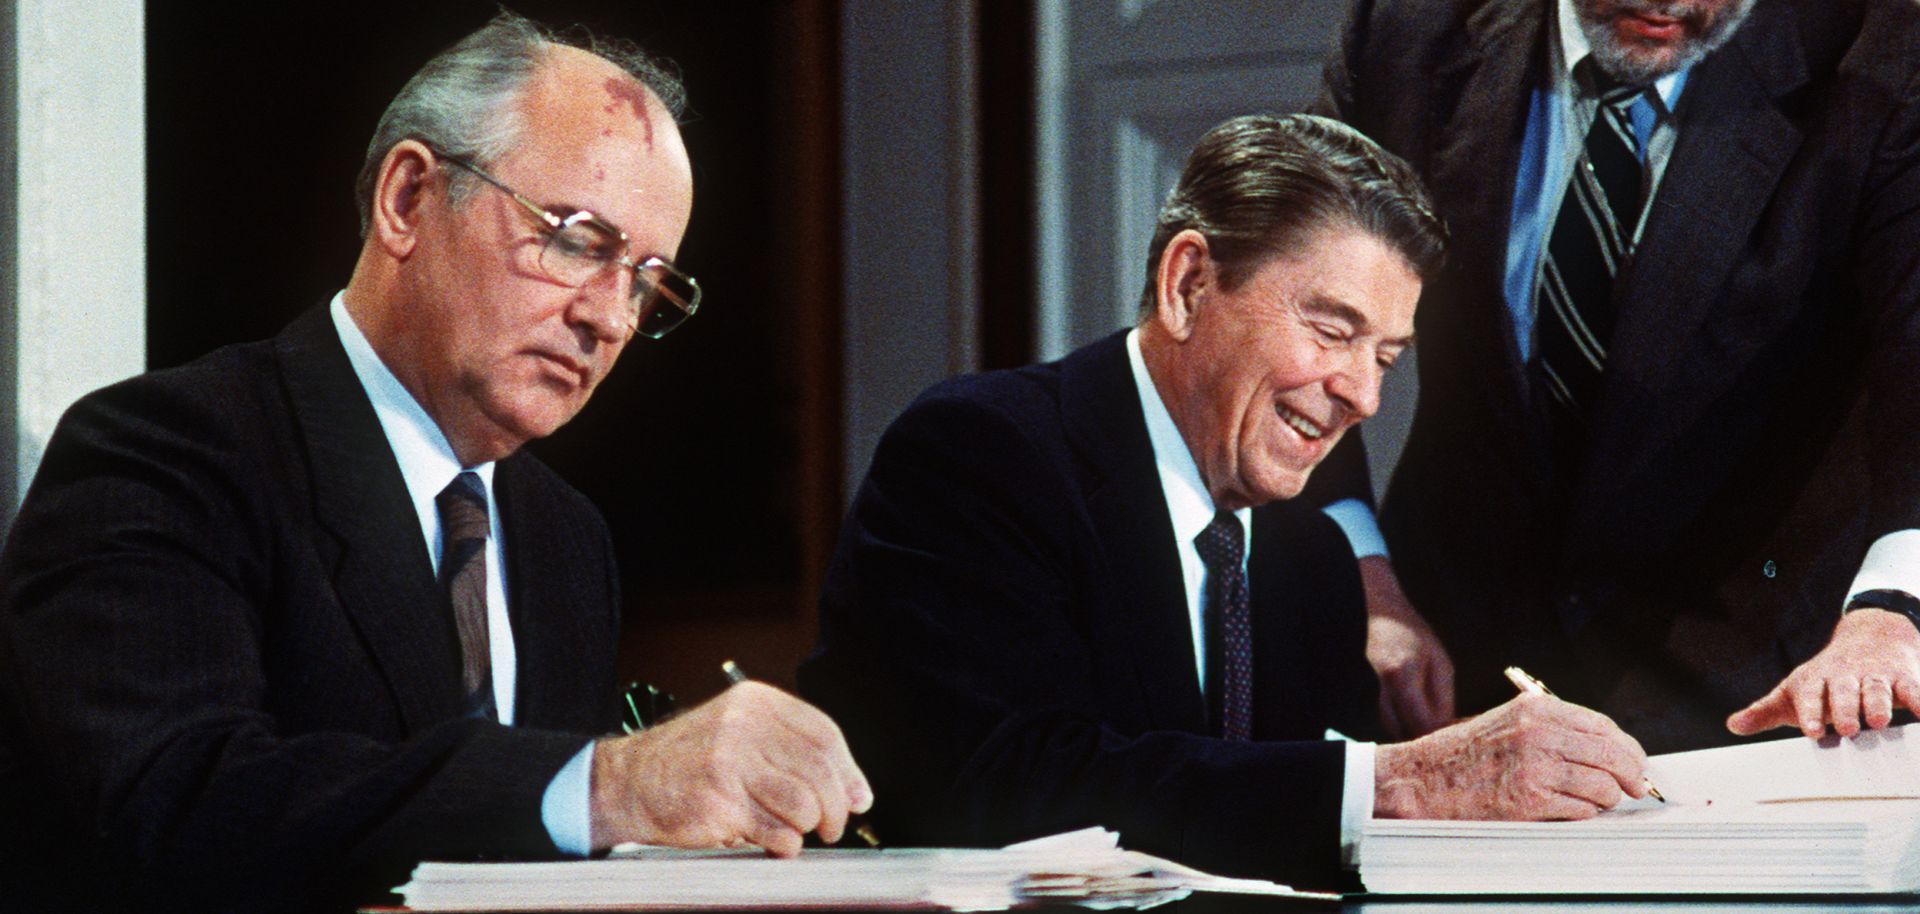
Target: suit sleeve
(141,586)
(1889,264)
(959,653)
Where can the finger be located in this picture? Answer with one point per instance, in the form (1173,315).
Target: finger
(1618,760)
(1843,705)
(1906,688)
(773,835)
(785,798)
(1809,707)
(1590,737)
(1440,688)
(1590,785)
(1566,807)
(1390,713)
(1410,697)
(829,798)
(1876,700)
(808,745)
(828,747)
(1415,714)
(1772,710)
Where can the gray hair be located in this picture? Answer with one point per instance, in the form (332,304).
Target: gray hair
(1259,185)
(462,102)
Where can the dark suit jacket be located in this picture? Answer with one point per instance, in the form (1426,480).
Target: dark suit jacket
(1005,638)
(227,677)
(1759,420)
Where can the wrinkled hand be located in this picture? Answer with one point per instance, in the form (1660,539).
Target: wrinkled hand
(1416,676)
(1872,661)
(753,766)
(1535,757)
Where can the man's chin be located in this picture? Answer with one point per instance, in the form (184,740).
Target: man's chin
(516,424)
(1639,62)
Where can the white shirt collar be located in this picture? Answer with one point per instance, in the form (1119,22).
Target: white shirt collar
(427,462)
(1188,501)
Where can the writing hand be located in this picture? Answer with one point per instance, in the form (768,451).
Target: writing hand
(753,766)
(1535,757)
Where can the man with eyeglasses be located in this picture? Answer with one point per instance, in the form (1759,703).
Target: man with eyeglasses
(278,624)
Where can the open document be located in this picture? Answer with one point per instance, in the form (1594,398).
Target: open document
(1085,867)
(1785,817)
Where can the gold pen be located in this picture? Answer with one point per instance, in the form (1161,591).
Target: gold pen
(1531,686)
(735,675)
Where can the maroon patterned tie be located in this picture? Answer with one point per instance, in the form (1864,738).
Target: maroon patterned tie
(1229,626)
(464,532)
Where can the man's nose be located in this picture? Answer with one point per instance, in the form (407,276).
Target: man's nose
(1357,385)
(605,305)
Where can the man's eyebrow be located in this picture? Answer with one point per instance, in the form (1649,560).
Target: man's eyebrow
(565,210)
(1323,306)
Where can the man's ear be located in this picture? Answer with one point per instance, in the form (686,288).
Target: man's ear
(400,194)
(1185,268)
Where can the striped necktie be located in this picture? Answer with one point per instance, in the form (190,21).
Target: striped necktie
(1592,242)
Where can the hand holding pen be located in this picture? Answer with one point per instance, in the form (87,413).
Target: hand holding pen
(1535,757)
(857,822)
(754,766)
(1531,686)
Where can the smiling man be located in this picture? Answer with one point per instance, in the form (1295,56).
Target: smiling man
(280,623)
(1663,455)
(1076,594)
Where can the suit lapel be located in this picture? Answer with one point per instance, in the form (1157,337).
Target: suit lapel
(1282,703)
(370,534)
(543,555)
(1734,144)
(1108,430)
(1480,100)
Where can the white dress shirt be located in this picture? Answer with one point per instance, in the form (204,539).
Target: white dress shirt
(1190,506)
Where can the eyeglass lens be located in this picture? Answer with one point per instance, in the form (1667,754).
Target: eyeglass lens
(662,298)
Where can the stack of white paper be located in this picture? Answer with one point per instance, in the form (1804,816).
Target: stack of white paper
(1085,867)
(1785,817)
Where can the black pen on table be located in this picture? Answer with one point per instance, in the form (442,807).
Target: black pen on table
(856,822)
(1531,686)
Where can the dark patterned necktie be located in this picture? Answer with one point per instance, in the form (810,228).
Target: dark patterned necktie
(463,573)
(1592,242)
(1229,625)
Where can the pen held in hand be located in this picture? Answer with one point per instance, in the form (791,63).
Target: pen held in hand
(856,823)
(1531,686)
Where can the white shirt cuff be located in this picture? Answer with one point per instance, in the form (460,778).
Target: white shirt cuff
(1356,800)
(1356,520)
(566,809)
(1892,563)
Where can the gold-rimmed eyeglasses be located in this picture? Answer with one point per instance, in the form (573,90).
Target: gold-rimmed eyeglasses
(580,246)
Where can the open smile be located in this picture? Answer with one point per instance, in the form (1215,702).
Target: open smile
(1306,427)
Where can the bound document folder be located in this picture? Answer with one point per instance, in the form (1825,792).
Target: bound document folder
(1790,817)
(1085,867)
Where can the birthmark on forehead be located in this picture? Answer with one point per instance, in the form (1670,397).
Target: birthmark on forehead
(624,92)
